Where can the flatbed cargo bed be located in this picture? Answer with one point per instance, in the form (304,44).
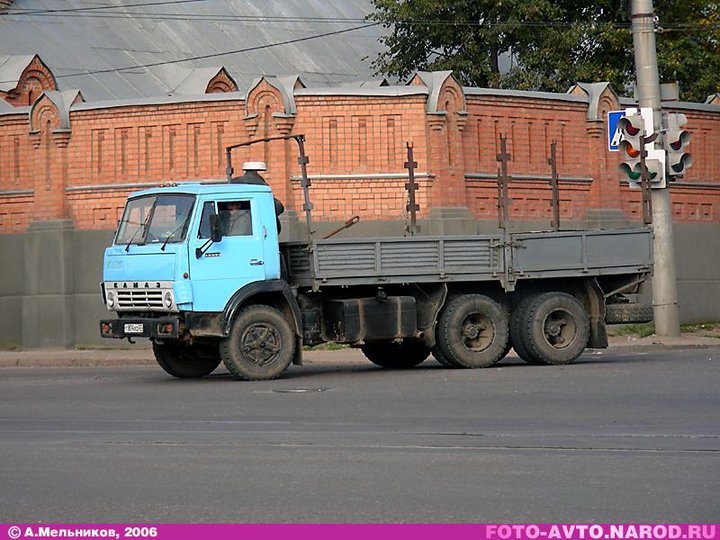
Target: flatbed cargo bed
(505,258)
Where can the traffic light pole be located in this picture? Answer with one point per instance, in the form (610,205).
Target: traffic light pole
(664,284)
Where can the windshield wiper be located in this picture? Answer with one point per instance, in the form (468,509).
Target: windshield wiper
(169,236)
(148,219)
(140,228)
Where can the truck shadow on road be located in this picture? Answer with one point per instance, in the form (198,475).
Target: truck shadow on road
(430,368)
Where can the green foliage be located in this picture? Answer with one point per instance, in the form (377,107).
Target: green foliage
(708,329)
(330,346)
(636,330)
(547,45)
(689,48)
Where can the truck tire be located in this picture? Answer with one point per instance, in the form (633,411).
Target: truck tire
(260,346)
(185,361)
(441,358)
(388,354)
(628,313)
(556,328)
(472,331)
(517,330)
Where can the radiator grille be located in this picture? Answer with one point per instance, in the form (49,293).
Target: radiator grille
(140,299)
(140,295)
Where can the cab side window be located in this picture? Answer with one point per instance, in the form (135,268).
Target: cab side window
(236,218)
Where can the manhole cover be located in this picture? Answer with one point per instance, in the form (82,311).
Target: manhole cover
(300,390)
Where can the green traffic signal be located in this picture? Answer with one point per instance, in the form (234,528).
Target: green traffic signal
(632,172)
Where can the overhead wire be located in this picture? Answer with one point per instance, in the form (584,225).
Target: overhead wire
(101,12)
(216,55)
(98,8)
(121,11)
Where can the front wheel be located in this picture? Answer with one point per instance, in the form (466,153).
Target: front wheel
(261,344)
(186,361)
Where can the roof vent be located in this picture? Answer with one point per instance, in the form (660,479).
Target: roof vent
(254,166)
(251,176)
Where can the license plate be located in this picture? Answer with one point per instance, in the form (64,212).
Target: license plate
(134,328)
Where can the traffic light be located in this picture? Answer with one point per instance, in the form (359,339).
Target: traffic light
(655,163)
(632,127)
(638,137)
(676,140)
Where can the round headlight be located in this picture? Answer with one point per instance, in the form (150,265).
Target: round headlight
(110,299)
(168,299)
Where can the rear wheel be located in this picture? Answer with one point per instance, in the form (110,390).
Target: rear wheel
(517,330)
(260,346)
(186,361)
(472,331)
(556,328)
(403,355)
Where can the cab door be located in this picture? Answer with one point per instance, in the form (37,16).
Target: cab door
(219,269)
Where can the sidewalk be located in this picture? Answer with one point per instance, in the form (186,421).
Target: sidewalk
(142,355)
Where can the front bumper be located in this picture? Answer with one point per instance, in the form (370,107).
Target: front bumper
(140,327)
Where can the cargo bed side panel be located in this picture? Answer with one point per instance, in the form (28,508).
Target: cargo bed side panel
(364,261)
(573,253)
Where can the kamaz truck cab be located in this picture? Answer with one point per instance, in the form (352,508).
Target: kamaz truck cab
(184,259)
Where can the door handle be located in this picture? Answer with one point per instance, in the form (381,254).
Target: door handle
(256,262)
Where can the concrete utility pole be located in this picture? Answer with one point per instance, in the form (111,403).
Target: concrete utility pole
(664,285)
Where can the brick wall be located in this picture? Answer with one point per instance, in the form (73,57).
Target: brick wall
(32,82)
(80,161)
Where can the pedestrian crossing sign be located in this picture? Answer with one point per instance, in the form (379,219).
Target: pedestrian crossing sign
(614,133)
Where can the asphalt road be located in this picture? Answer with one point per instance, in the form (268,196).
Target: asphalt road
(615,438)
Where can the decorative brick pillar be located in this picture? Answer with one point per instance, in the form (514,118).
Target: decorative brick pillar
(251,125)
(47,303)
(605,195)
(289,167)
(270,112)
(284,124)
(437,156)
(446,120)
(50,141)
(605,208)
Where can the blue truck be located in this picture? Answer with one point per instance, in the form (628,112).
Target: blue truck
(199,270)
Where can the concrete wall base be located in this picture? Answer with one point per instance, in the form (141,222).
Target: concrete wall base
(451,220)
(47,315)
(606,218)
(50,276)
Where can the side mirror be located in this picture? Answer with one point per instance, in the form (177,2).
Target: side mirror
(215,235)
(215,228)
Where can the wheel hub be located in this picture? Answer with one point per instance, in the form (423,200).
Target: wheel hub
(477,332)
(261,344)
(559,329)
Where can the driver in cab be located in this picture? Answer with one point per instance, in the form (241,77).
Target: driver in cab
(235,218)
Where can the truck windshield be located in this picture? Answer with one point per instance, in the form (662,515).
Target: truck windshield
(155,218)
